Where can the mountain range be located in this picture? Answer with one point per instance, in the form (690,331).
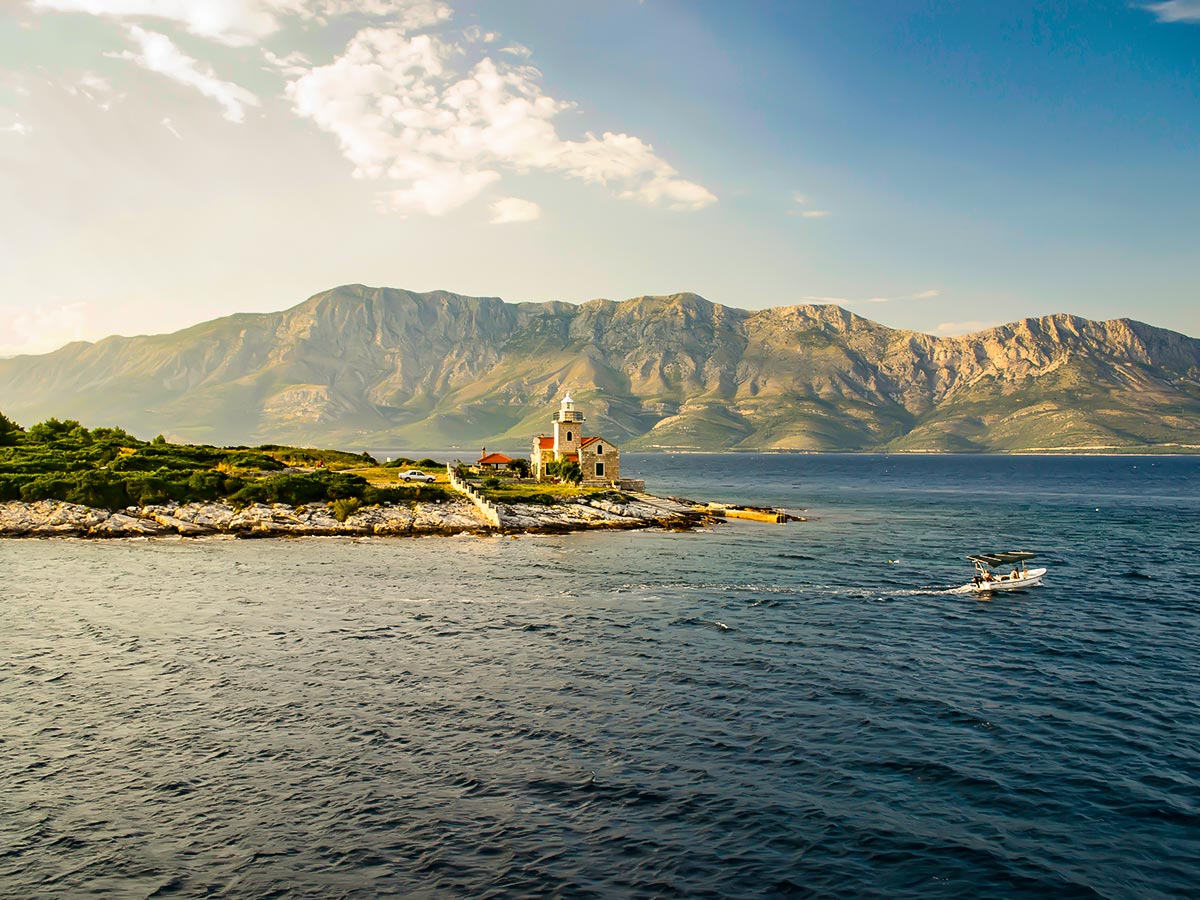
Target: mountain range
(365,367)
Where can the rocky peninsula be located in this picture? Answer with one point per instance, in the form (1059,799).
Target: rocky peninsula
(51,518)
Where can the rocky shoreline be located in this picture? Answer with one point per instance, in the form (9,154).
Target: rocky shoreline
(51,518)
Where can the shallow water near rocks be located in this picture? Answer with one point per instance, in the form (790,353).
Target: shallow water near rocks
(753,710)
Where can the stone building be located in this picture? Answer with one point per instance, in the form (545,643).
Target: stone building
(599,459)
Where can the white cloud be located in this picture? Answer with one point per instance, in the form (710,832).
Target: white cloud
(1176,10)
(92,87)
(475,34)
(166,123)
(436,191)
(241,23)
(294,63)
(801,199)
(956,329)
(409,15)
(17,127)
(41,328)
(513,209)
(159,54)
(234,22)
(406,108)
(849,301)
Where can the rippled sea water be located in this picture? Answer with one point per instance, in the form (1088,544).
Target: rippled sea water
(750,711)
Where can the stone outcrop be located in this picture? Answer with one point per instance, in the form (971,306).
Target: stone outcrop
(50,518)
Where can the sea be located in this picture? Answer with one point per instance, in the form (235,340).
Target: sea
(747,710)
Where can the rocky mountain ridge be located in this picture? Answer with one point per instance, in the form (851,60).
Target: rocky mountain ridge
(379,367)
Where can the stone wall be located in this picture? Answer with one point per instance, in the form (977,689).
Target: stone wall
(487,509)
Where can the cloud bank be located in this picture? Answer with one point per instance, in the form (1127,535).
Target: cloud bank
(436,118)
(404,109)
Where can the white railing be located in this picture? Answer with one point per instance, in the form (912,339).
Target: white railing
(487,508)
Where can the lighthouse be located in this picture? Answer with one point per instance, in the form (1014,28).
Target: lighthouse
(599,459)
(568,428)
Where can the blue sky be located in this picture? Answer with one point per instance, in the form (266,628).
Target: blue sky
(934,166)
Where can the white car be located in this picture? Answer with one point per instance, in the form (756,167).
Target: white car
(416,475)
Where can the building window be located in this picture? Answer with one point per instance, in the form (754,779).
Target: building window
(599,449)
(568,437)
(599,470)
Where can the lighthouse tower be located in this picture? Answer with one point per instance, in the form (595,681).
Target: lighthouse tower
(568,428)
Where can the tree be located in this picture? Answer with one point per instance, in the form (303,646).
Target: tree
(51,430)
(566,471)
(10,431)
(520,467)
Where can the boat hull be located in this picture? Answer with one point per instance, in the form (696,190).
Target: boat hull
(1031,578)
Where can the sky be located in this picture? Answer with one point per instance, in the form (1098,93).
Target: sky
(939,166)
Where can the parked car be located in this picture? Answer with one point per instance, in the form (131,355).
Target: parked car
(416,475)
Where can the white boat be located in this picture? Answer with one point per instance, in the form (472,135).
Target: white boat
(993,572)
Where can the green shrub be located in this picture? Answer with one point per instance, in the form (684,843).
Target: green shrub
(10,432)
(298,489)
(147,489)
(308,456)
(346,507)
(51,430)
(10,487)
(404,493)
(102,490)
(46,487)
(251,459)
(212,485)
(566,471)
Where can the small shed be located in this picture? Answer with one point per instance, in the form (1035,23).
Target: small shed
(493,461)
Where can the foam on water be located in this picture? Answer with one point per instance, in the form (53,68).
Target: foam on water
(757,710)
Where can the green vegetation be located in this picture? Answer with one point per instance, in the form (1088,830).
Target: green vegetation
(405,463)
(308,456)
(546,493)
(565,470)
(109,468)
(345,508)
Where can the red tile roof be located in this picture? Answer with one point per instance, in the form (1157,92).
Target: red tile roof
(494,459)
(588,441)
(545,443)
(571,457)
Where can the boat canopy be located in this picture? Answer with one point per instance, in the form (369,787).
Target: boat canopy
(1001,559)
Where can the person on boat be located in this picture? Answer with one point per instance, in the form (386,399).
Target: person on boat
(1015,575)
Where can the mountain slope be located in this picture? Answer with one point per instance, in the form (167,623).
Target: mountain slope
(370,366)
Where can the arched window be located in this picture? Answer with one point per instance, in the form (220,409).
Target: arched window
(568,437)
(599,449)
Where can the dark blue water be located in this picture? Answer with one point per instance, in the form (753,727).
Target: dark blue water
(754,711)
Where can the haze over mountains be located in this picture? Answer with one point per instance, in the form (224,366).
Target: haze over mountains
(361,367)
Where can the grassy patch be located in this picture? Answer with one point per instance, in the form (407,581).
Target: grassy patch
(545,492)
